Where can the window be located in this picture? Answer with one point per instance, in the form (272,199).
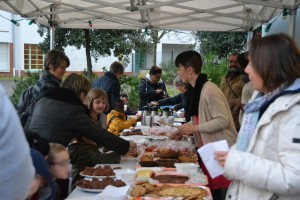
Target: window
(140,60)
(4,57)
(33,57)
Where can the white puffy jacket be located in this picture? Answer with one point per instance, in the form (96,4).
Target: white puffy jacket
(270,168)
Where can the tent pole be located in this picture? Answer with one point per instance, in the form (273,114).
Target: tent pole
(52,38)
(292,22)
(52,27)
(249,37)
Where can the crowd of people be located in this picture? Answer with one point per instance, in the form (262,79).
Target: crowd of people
(255,109)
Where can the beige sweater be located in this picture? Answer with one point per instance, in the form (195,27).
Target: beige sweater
(215,120)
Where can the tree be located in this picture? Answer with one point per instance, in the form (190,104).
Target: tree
(221,43)
(155,37)
(97,42)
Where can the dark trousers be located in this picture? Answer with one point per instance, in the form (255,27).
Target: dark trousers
(219,194)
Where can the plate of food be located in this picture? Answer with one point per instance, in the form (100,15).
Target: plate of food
(90,189)
(96,185)
(178,192)
(98,172)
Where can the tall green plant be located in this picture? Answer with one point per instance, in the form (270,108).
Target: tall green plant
(214,67)
(169,71)
(129,86)
(22,84)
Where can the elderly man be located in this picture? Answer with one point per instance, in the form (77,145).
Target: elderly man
(232,86)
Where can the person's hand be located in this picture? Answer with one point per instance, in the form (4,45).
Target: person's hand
(188,129)
(138,117)
(154,103)
(176,136)
(132,153)
(132,150)
(125,100)
(132,145)
(233,103)
(221,156)
(181,115)
(159,91)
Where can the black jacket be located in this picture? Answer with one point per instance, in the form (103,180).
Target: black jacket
(177,99)
(111,85)
(83,155)
(147,92)
(59,116)
(46,82)
(182,101)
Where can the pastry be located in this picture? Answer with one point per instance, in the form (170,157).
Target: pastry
(138,191)
(145,173)
(146,157)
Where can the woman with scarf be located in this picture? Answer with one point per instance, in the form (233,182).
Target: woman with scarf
(264,163)
(211,117)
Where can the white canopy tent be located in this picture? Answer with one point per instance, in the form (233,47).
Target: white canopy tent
(204,15)
(191,15)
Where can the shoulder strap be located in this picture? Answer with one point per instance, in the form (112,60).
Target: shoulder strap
(227,81)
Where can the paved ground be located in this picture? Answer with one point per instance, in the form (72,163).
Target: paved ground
(8,86)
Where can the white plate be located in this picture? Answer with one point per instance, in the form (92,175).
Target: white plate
(90,190)
(157,137)
(90,176)
(139,139)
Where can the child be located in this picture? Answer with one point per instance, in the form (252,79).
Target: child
(97,102)
(42,186)
(84,152)
(116,119)
(59,167)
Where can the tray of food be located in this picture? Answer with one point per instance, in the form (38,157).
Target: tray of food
(98,172)
(98,185)
(130,132)
(167,191)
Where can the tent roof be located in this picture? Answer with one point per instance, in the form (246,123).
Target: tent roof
(192,15)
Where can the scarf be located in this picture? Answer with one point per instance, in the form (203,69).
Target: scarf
(195,95)
(255,109)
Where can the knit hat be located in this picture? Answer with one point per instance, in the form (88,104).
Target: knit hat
(42,168)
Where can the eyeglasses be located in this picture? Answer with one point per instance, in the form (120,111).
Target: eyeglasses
(63,163)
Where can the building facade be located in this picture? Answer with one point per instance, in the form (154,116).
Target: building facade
(19,50)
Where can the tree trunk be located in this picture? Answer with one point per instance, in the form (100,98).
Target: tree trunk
(88,53)
(154,35)
(156,39)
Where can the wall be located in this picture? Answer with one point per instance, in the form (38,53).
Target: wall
(282,26)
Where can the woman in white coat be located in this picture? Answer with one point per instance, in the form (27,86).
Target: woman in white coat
(265,162)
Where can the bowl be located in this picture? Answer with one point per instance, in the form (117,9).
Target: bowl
(128,177)
(185,168)
(120,172)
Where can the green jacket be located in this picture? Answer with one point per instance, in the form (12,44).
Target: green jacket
(83,155)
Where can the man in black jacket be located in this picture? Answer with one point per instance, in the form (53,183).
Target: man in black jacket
(59,116)
(110,83)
